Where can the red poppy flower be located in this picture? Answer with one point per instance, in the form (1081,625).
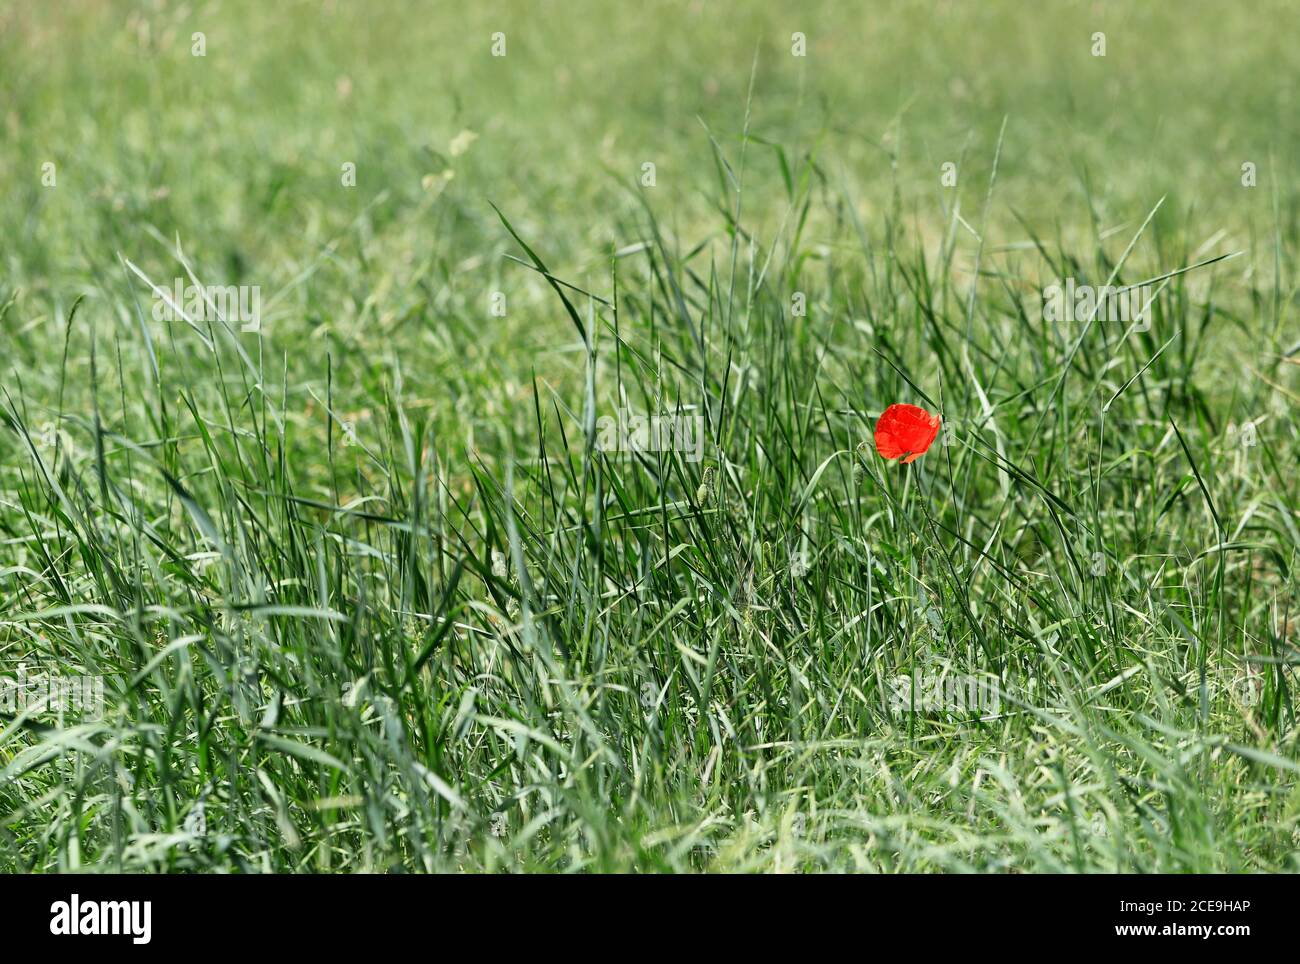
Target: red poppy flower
(905,430)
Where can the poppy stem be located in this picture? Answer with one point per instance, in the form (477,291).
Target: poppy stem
(907,489)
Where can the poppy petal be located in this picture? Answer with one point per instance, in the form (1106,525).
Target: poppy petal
(905,430)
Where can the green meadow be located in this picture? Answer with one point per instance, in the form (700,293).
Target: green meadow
(439,437)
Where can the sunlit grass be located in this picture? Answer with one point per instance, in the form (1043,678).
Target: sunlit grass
(365,592)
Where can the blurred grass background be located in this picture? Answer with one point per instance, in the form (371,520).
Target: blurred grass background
(240,150)
(238,153)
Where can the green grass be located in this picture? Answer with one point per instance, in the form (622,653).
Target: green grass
(366,594)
